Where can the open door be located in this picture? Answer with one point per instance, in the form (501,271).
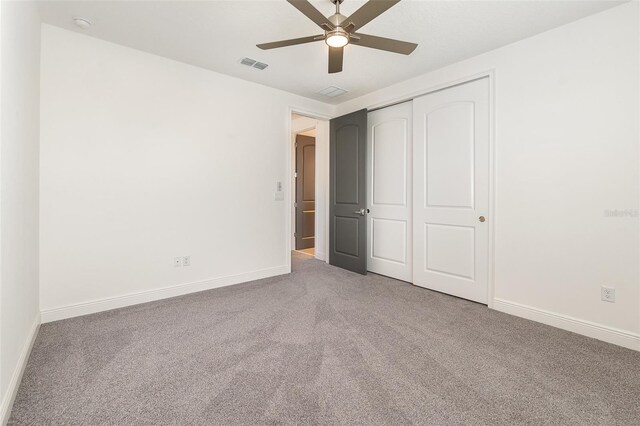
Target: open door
(347,225)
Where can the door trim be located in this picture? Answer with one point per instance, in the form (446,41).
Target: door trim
(493,219)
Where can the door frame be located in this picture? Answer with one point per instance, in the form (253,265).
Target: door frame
(493,219)
(289,189)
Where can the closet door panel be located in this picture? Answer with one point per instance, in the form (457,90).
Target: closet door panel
(451,190)
(389,195)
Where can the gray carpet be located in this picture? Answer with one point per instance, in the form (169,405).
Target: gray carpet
(322,346)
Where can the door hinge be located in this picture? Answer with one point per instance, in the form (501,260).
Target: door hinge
(295,234)
(295,175)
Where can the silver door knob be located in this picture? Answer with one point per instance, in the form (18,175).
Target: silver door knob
(361,212)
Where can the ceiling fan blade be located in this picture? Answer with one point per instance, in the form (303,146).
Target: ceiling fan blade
(369,11)
(381,43)
(312,13)
(290,42)
(336,55)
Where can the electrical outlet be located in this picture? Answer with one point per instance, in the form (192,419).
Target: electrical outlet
(186,261)
(608,294)
(177,261)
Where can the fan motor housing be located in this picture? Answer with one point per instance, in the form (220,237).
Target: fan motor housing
(337,19)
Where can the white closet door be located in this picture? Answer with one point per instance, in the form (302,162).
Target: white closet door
(451,190)
(389,192)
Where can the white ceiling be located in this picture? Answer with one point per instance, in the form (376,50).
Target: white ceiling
(217,34)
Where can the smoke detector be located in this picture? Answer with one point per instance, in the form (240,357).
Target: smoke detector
(83,23)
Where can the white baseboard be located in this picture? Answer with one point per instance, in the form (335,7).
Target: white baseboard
(109,303)
(623,338)
(16,377)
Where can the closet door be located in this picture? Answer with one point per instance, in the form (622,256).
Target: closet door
(451,190)
(389,193)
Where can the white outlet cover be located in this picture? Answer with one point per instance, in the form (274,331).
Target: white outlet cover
(186,261)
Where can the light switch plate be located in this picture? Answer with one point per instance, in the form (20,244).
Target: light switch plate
(279,196)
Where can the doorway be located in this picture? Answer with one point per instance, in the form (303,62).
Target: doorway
(309,185)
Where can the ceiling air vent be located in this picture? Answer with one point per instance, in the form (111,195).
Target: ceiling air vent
(253,63)
(332,92)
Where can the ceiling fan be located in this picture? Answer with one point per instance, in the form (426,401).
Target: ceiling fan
(340,30)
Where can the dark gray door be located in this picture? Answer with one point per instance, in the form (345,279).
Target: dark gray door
(305,191)
(347,208)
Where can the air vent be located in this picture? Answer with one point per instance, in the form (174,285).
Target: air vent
(253,63)
(332,92)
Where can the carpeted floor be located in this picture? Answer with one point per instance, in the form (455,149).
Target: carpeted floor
(322,346)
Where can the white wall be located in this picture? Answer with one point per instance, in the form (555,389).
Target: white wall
(19,132)
(129,181)
(566,137)
(144,159)
(321,133)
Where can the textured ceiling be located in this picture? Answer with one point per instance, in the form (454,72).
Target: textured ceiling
(217,34)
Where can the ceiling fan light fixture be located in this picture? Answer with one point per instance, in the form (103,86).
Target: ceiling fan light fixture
(337,38)
(340,30)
